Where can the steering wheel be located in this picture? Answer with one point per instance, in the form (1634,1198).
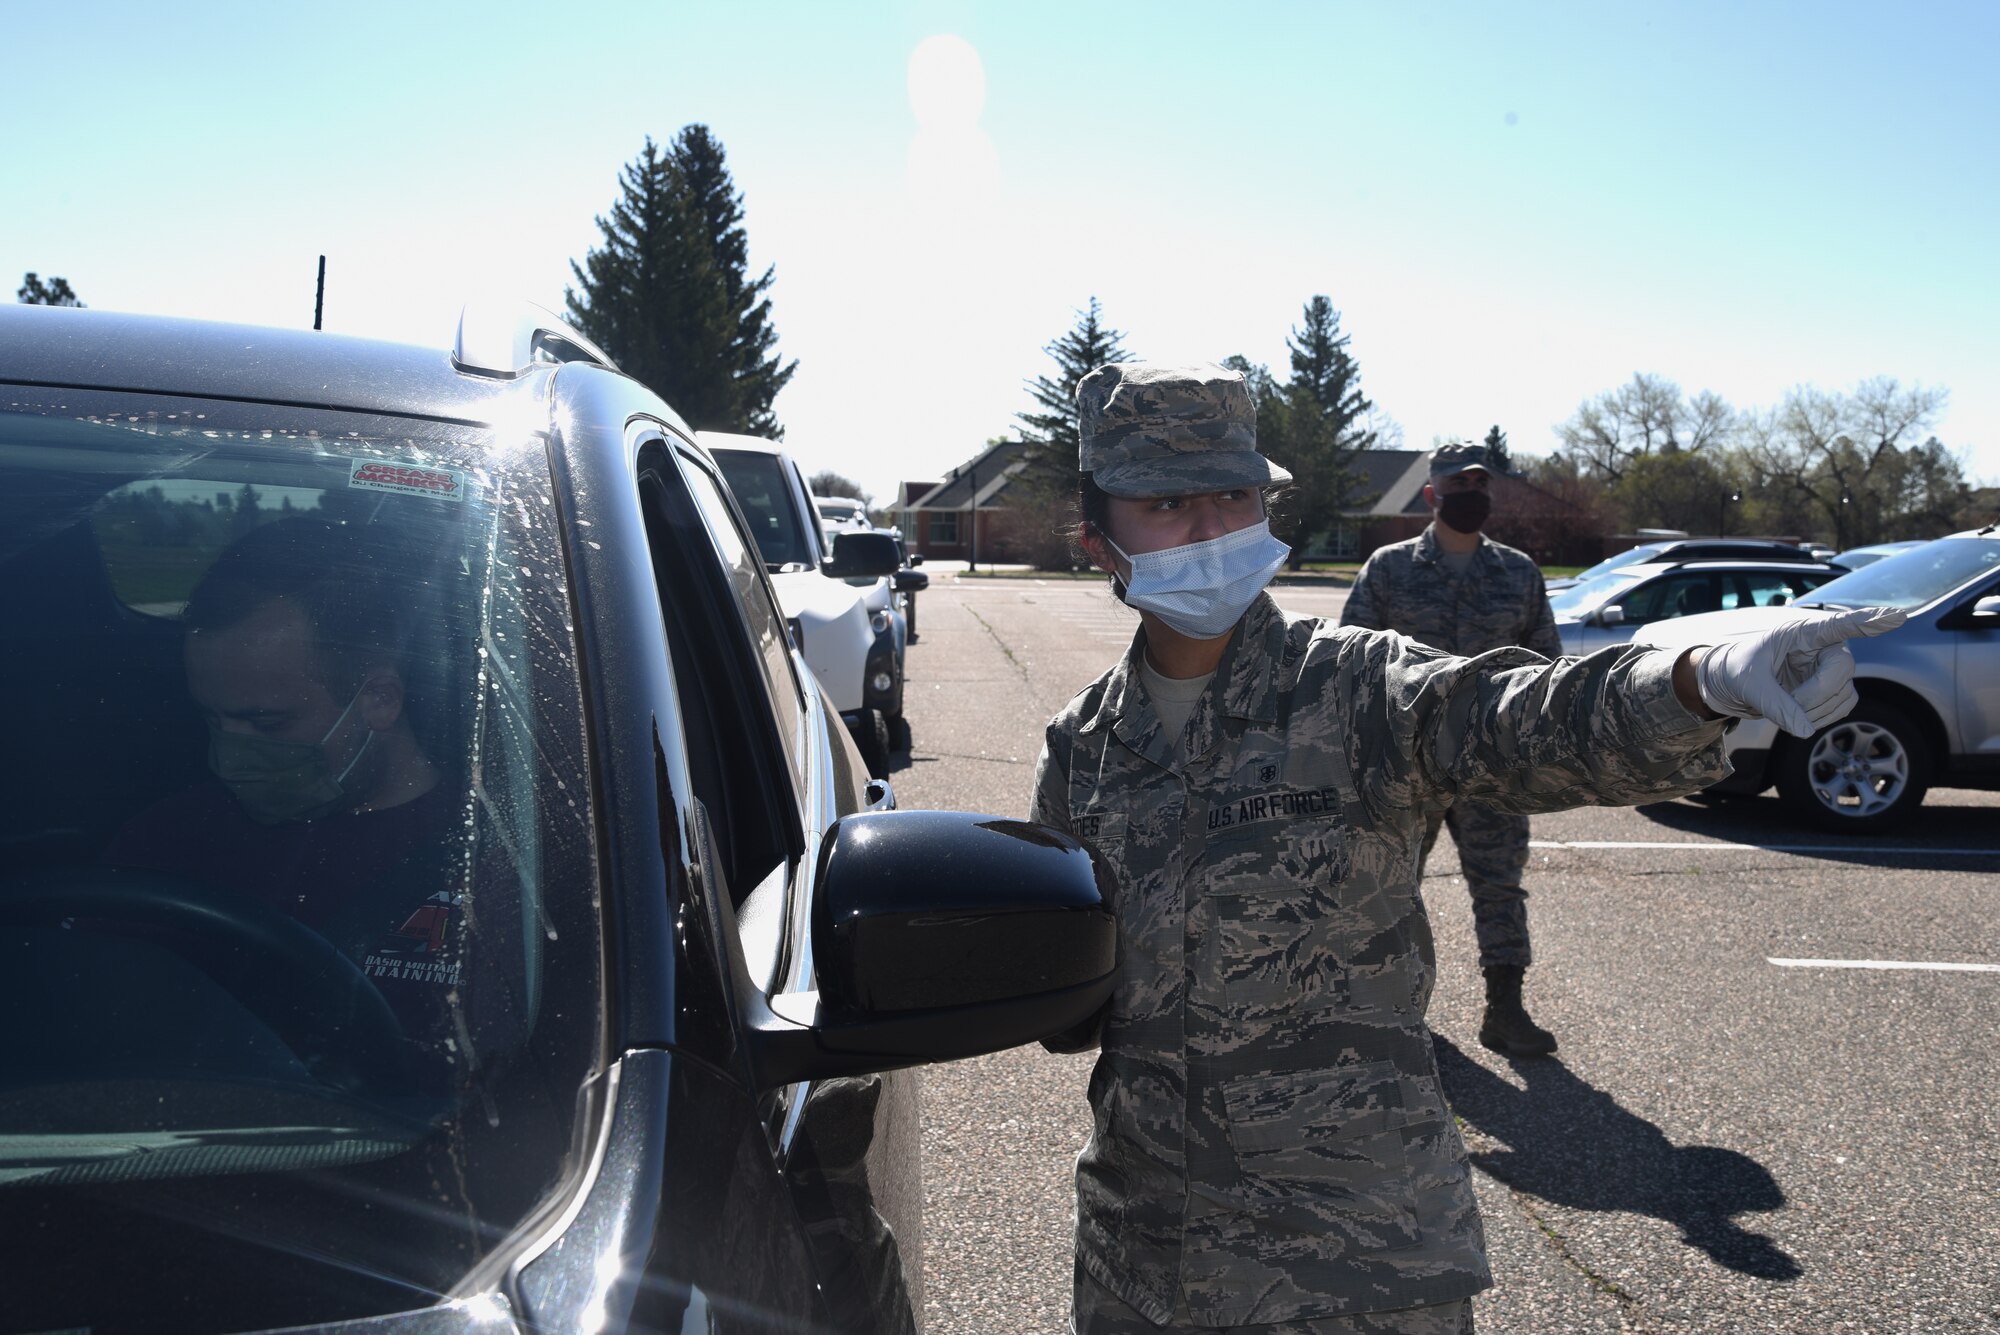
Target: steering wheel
(315,999)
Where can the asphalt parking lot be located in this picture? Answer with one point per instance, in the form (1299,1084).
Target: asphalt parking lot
(1775,1107)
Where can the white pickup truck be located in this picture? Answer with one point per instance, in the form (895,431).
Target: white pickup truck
(830,617)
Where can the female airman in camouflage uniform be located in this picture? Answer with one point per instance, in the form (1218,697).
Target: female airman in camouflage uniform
(1271,1151)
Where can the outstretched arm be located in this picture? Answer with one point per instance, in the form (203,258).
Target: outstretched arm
(1619,727)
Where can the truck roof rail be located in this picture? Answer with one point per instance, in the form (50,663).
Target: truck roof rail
(506,339)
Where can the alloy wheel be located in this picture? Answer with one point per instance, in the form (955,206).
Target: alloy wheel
(1858,768)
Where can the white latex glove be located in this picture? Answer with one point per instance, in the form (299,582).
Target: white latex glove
(1799,675)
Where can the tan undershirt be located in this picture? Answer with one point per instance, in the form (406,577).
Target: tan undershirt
(1173,697)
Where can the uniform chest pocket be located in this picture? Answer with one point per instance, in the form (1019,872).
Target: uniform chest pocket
(1283,935)
(1105,832)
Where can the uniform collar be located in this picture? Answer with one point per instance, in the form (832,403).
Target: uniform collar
(1246,679)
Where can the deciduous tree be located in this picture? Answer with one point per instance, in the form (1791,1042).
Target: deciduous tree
(826,482)
(1853,461)
(1648,415)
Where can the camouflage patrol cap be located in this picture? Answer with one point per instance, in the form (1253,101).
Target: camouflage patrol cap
(1149,430)
(1455,456)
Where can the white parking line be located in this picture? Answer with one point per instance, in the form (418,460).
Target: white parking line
(1705,845)
(1882,964)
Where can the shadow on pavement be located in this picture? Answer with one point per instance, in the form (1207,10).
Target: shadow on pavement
(1571,1144)
(1762,820)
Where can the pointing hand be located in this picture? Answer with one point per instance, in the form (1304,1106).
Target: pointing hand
(1799,674)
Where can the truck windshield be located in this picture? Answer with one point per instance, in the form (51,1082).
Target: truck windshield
(764,495)
(296,878)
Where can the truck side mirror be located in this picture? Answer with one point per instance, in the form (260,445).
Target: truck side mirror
(862,556)
(936,936)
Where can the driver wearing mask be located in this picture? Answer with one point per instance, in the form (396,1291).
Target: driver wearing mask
(323,804)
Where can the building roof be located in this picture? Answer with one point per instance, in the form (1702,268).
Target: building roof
(1391,482)
(909,493)
(993,469)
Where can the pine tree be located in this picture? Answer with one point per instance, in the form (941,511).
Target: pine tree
(716,209)
(1325,427)
(1497,453)
(34,292)
(1269,398)
(1053,443)
(668,294)
(627,288)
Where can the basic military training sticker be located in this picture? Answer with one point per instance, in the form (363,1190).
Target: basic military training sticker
(442,484)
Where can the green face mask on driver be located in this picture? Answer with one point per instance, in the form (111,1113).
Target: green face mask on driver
(276,781)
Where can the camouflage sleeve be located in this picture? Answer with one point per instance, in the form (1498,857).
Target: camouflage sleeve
(1051,807)
(1366,606)
(1050,803)
(1521,734)
(1542,636)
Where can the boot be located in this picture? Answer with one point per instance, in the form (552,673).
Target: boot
(1507,1029)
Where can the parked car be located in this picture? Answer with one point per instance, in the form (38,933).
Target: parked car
(887,602)
(1690,549)
(1856,557)
(841,511)
(1930,691)
(908,580)
(434,894)
(1608,609)
(823,585)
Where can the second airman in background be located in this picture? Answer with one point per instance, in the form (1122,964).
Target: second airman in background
(1454,589)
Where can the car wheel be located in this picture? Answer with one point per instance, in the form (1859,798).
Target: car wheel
(871,736)
(899,731)
(1862,775)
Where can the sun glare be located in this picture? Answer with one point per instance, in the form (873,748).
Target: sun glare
(953,171)
(947,83)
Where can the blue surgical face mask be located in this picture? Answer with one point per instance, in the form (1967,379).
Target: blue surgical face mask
(276,781)
(1203,589)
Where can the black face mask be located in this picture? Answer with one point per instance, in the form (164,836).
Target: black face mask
(1465,511)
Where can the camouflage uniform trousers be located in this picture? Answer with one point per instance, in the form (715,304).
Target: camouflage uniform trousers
(1099,1312)
(1492,853)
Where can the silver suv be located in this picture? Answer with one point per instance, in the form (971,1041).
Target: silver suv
(1930,690)
(1615,606)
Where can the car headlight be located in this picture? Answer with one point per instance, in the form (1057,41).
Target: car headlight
(878,621)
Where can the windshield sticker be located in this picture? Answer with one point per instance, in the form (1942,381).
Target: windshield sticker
(406,479)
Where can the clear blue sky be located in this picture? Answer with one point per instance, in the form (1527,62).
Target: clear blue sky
(1514,207)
